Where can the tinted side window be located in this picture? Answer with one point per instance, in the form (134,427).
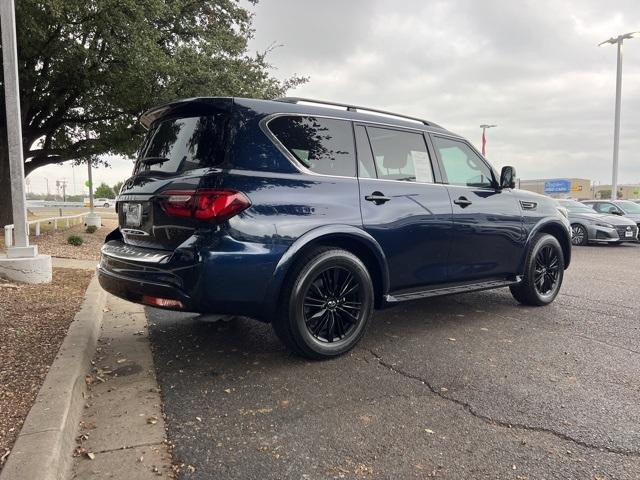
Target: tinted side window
(461,164)
(366,168)
(400,155)
(323,145)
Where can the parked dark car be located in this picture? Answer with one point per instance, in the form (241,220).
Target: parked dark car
(623,208)
(590,226)
(309,216)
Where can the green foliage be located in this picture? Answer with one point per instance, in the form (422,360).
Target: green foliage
(89,68)
(116,187)
(91,229)
(75,240)
(103,191)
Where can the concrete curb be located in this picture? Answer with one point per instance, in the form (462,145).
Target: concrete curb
(44,446)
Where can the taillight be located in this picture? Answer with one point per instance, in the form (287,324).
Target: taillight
(204,204)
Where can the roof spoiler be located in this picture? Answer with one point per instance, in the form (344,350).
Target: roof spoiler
(191,106)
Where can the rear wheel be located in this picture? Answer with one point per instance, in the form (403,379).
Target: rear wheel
(543,274)
(578,235)
(326,304)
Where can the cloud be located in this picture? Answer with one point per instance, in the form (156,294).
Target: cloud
(532,67)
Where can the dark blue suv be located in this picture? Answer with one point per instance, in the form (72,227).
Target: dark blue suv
(309,215)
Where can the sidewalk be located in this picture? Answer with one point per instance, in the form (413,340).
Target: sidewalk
(122,432)
(58,262)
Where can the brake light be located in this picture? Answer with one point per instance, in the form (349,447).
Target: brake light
(204,204)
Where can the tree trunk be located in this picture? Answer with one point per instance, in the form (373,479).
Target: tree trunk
(6,214)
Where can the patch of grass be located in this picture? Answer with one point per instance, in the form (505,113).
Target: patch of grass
(91,229)
(75,240)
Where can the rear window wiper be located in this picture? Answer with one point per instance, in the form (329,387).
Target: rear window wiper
(153,160)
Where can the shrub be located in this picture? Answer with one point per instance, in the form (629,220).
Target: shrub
(75,240)
(91,229)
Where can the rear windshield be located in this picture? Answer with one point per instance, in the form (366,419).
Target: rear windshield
(179,144)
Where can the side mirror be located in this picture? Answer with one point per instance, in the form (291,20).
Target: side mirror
(508,177)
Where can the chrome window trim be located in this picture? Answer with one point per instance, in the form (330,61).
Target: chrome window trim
(264,126)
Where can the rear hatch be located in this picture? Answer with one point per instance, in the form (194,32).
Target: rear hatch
(186,142)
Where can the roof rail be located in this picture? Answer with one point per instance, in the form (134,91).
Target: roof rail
(352,108)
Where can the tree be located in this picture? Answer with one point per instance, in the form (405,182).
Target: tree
(116,187)
(89,68)
(103,191)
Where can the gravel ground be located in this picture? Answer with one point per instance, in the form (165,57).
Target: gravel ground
(29,340)
(55,243)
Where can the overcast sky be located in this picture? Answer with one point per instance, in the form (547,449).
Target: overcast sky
(531,67)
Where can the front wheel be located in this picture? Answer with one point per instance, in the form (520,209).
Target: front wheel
(543,274)
(578,235)
(326,304)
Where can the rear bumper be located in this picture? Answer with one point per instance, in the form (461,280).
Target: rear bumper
(136,289)
(229,277)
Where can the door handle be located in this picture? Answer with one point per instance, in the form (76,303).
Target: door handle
(377,197)
(463,202)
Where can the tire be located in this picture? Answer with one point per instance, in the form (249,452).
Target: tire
(314,319)
(549,269)
(106,205)
(579,235)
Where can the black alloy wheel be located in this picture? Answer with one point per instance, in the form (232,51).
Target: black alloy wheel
(543,272)
(547,270)
(326,304)
(332,306)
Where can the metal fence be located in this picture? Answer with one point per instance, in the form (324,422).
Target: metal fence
(56,221)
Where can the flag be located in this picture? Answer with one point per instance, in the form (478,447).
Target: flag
(484,143)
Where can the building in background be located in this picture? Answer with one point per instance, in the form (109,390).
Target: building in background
(578,188)
(624,191)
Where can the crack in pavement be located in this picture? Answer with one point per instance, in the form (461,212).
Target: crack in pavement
(488,420)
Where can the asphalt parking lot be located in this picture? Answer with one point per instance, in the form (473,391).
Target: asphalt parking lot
(472,386)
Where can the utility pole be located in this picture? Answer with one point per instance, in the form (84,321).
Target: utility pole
(93,219)
(616,124)
(21,262)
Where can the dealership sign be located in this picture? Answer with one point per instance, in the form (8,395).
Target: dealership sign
(557,186)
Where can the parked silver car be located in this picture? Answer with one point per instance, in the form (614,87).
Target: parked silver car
(590,226)
(623,208)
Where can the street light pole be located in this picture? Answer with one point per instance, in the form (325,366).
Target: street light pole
(484,137)
(616,125)
(14,129)
(21,262)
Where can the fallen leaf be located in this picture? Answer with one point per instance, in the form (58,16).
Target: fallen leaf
(152,420)
(199,419)
(451,339)
(90,455)
(227,390)
(429,431)
(121,360)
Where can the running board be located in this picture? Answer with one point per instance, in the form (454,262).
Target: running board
(450,290)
